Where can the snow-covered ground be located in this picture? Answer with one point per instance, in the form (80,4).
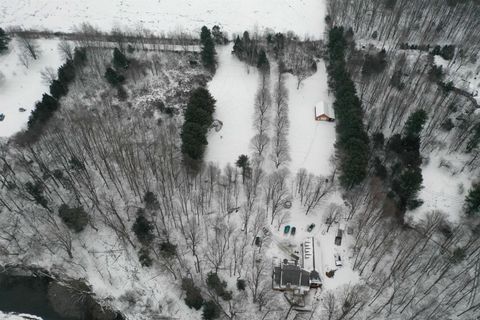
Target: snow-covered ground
(23,86)
(444,187)
(466,76)
(234,87)
(304,17)
(311,142)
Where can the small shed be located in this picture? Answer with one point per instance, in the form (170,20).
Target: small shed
(324,112)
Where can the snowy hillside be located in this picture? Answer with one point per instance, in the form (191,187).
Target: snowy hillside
(304,17)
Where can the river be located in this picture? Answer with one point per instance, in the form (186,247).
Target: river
(26,295)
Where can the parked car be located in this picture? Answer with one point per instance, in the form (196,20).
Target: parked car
(258,241)
(2,117)
(286,230)
(294,230)
(310,227)
(338,260)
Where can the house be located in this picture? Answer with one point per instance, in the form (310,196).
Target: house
(324,112)
(290,277)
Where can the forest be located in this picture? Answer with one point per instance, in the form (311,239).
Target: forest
(109,180)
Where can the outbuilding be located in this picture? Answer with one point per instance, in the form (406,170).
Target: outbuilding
(324,112)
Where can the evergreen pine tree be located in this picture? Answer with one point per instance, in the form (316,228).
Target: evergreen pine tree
(262,62)
(205,34)
(208,53)
(57,90)
(217,35)
(143,229)
(113,77)
(79,57)
(415,123)
(120,62)
(210,310)
(4,40)
(193,297)
(238,49)
(198,118)
(244,164)
(472,201)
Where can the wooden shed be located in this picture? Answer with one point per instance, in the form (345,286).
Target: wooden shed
(324,112)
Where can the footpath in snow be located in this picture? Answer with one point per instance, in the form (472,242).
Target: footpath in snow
(22,86)
(304,17)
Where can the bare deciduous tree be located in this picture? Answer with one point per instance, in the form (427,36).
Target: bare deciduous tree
(65,48)
(29,47)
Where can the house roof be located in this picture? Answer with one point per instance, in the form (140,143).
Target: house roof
(323,108)
(291,275)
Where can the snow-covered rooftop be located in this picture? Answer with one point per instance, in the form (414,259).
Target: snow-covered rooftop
(323,108)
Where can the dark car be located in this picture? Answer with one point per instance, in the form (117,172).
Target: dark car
(293,231)
(310,227)
(286,230)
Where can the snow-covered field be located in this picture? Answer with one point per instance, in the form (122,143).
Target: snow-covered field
(234,87)
(23,86)
(444,187)
(304,17)
(311,142)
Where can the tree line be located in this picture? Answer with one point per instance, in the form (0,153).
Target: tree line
(352,140)
(198,119)
(46,108)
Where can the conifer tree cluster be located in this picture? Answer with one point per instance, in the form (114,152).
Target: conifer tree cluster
(250,51)
(45,108)
(4,40)
(402,173)
(208,53)
(120,63)
(198,119)
(472,201)
(352,139)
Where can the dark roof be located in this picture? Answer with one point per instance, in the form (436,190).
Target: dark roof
(291,275)
(305,280)
(314,275)
(277,275)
